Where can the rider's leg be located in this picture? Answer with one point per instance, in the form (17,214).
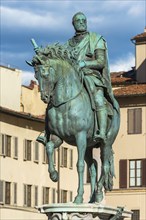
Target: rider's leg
(101,111)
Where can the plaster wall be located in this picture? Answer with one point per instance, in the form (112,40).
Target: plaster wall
(141,63)
(10,88)
(31,101)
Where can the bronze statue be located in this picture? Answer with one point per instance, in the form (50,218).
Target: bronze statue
(74,80)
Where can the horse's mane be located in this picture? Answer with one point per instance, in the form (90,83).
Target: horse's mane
(55,51)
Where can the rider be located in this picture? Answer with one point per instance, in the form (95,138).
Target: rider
(91,53)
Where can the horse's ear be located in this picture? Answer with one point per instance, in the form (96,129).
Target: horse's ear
(29,63)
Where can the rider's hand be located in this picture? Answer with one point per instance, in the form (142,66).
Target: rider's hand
(82,64)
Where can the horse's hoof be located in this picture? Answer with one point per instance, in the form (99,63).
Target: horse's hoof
(54,176)
(99,197)
(78,199)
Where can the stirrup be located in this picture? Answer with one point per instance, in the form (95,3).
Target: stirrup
(41,139)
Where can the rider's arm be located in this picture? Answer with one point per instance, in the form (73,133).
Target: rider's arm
(98,63)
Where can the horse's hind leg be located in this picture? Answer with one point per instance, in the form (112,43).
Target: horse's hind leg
(92,166)
(53,143)
(81,147)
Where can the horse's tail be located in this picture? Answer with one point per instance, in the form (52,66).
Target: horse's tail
(108,183)
(111,136)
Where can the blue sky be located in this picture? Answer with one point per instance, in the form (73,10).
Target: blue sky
(51,21)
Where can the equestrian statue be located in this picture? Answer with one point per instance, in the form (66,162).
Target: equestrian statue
(74,81)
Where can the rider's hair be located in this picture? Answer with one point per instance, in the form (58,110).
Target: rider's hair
(78,13)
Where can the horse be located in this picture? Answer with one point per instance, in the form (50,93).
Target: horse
(70,118)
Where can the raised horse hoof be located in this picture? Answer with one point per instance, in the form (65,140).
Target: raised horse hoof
(99,197)
(78,200)
(54,176)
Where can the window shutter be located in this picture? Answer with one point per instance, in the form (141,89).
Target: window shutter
(144,172)
(2,144)
(54,156)
(71,159)
(24,150)
(130,113)
(2,192)
(70,196)
(123,174)
(36,151)
(15,193)
(53,195)
(61,156)
(15,145)
(25,195)
(138,120)
(35,195)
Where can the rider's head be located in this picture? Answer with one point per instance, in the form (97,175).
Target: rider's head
(79,22)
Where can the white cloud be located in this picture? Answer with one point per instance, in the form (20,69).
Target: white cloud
(27,76)
(12,17)
(123,64)
(136,10)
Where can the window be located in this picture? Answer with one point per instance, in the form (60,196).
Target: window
(36,152)
(8,146)
(27,195)
(5,145)
(64,157)
(27,150)
(45,195)
(135,167)
(63,196)
(135,121)
(136,214)
(8,193)
(137,173)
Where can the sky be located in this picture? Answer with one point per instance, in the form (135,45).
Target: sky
(51,21)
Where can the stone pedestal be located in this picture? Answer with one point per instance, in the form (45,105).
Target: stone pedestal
(85,211)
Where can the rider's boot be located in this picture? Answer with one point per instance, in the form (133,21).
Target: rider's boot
(42,138)
(102,120)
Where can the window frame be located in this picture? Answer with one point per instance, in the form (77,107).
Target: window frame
(135,173)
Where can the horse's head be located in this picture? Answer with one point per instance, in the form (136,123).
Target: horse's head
(45,74)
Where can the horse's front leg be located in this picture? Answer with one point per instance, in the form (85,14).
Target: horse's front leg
(50,146)
(81,147)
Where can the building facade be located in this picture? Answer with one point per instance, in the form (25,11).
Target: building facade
(24,179)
